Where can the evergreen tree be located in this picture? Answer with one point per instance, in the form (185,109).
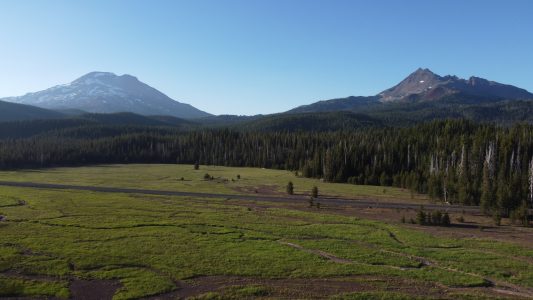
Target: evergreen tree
(314,192)
(464,183)
(290,188)
(488,199)
(446,219)
(531,183)
(421,216)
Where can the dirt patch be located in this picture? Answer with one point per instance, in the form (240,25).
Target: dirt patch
(18,275)
(93,289)
(260,190)
(302,288)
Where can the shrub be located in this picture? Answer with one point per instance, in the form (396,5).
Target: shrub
(314,192)
(446,219)
(497,218)
(421,216)
(290,188)
(207,176)
(521,215)
(436,217)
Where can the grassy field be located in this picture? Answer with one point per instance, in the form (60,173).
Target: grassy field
(174,246)
(168,177)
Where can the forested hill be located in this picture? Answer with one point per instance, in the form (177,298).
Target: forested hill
(129,122)
(457,161)
(17,112)
(98,123)
(328,121)
(502,112)
(392,114)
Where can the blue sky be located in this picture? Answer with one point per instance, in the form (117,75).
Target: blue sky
(252,56)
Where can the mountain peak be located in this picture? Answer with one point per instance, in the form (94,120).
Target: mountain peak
(97,76)
(423,71)
(419,81)
(422,74)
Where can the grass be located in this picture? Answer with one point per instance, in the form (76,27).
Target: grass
(9,201)
(168,177)
(148,243)
(16,287)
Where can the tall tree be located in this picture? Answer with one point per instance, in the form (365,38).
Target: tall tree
(488,199)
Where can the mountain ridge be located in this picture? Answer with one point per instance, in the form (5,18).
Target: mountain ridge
(423,85)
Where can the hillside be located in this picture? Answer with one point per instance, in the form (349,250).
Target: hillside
(328,121)
(92,125)
(13,112)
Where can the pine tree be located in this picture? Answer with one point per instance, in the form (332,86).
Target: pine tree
(465,196)
(446,219)
(290,188)
(314,192)
(503,197)
(531,182)
(421,216)
(488,199)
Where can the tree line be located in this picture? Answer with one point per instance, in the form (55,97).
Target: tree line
(456,161)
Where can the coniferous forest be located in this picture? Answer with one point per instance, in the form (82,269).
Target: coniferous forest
(456,161)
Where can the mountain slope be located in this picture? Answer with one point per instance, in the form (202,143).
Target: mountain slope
(15,112)
(102,92)
(341,104)
(323,121)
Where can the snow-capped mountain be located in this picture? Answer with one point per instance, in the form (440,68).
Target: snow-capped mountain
(103,92)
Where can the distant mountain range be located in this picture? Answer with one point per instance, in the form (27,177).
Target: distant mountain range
(107,99)
(103,92)
(425,86)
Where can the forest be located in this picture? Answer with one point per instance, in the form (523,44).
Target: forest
(456,161)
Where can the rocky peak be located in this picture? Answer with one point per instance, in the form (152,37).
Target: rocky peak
(419,81)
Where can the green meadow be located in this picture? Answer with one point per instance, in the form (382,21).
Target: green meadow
(168,177)
(155,245)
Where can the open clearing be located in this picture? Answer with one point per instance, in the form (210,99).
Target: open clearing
(168,177)
(96,245)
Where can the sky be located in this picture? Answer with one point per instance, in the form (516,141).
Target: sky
(250,57)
